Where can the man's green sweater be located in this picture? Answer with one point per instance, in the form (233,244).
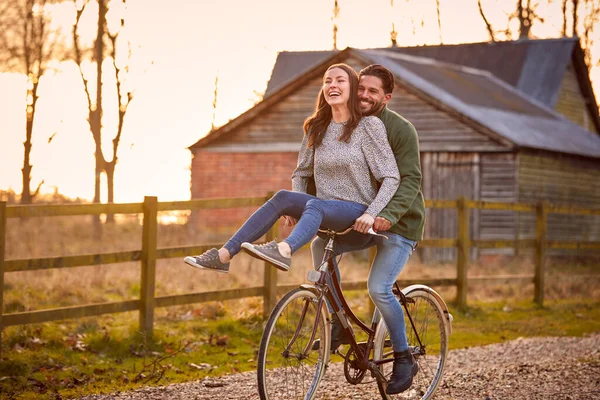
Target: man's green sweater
(406,210)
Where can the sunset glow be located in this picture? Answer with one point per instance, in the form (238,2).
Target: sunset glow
(178,48)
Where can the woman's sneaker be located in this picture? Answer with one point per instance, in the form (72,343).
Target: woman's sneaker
(268,252)
(208,260)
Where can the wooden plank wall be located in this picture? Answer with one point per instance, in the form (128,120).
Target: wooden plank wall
(447,176)
(571,102)
(282,122)
(438,131)
(560,179)
(498,183)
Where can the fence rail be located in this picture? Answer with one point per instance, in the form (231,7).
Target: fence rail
(149,253)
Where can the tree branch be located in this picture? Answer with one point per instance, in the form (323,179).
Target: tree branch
(79,58)
(487,23)
(439,19)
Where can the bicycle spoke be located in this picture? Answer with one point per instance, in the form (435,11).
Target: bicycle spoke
(287,370)
(429,325)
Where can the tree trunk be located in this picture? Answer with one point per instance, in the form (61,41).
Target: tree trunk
(26,196)
(26,193)
(110,184)
(574,30)
(525,19)
(96,114)
(564,19)
(439,20)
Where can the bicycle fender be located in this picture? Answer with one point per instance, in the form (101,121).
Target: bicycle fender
(311,288)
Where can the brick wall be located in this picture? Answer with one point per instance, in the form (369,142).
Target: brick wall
(222,174)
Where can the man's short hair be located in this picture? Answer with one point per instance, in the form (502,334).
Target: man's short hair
(381,72)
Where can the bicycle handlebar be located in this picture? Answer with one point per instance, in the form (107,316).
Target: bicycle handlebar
(348,230)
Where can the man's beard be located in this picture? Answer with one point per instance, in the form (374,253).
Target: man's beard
(373,109)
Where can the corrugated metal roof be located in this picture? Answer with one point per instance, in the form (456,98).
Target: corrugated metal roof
(491,102)
(290,64)
(535,67)
(469,85)
(544,69)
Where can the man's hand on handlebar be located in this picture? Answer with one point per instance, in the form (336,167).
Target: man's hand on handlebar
(363,223)
(381,224)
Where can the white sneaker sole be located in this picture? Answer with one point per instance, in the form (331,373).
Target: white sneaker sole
(190,261)
(249,248)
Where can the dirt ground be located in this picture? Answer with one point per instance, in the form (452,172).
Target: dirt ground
(557,368)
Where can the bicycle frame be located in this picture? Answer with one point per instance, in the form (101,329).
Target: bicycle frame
(373,355)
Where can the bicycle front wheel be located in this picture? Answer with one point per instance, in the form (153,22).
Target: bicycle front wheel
(430,352)
(288,368)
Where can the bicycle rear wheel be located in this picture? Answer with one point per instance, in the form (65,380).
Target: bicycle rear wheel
(429,320)
(287,366)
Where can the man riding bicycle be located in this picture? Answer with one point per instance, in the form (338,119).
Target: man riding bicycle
(403,221)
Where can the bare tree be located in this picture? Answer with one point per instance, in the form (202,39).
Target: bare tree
(94,108)
(394,36)
(526,15)
(124,97)
(575,8)
(589,24)
(393,33)
(439,19)
(334,19)
(564,15)
(26,46)
(214,103)
(583,28)
(106,46)
(488,25)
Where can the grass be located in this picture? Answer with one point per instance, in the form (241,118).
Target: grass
(487,323)
(67,359)
(107,354)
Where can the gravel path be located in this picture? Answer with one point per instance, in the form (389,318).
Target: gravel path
(524,369)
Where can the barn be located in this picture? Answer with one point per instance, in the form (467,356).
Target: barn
(510,121)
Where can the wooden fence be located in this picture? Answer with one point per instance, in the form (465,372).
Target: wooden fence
(149,253)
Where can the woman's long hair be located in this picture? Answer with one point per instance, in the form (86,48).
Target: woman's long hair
(316,125)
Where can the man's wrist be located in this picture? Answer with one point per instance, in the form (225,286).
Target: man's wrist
(387,218)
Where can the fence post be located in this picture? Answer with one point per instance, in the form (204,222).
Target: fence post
(462,251)
(148,258)
(541,225)
(270,274)
(2,247)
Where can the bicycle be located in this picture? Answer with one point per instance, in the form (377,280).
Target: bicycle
(289,368)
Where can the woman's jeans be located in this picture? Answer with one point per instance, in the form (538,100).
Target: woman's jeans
(392,255)
(310,212)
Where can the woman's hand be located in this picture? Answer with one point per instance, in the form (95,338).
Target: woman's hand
(289,221)
(363,223)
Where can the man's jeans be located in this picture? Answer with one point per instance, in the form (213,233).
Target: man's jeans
(392,255)
(310,212)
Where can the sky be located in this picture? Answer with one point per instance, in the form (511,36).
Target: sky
(178,49)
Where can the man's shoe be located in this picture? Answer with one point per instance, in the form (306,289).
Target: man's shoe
(405,367)
(268,252)
(208,260)
(338,335)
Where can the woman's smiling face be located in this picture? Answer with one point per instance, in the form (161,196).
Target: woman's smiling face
(336,87)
